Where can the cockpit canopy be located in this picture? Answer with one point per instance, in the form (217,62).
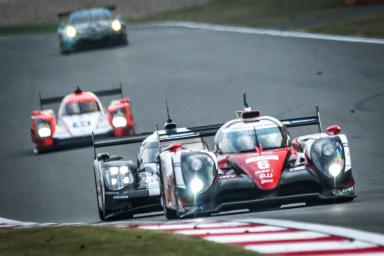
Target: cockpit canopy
(79,103)
(90,15)
(78,108)
(245,137)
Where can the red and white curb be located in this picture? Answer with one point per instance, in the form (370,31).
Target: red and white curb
(276,237)
(266,236)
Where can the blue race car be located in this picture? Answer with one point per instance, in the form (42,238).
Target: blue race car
(90,28)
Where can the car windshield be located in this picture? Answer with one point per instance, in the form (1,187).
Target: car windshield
(78,108)
(192,144)
(90,15)
(149,155)
(246,140)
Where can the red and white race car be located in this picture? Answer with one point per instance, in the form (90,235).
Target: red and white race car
(80,114)
(256,164)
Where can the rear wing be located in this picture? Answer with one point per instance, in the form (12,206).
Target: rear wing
(100,93)
(63,15)
(201,131)
(192,132)
(304,121)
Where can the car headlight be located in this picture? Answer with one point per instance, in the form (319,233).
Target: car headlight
(119,121)
(116,25)
(117,177)
(335,169)
(70,31)
(44,132)
(199,171)
(328,156)
(196,185)
(43,128)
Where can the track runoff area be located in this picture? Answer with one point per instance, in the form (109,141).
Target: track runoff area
(265,236)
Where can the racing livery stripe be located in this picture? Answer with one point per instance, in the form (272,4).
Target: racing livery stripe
(266,236)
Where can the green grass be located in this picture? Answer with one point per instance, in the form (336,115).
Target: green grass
(106,241)
(28,29)
(253,13)
(369,25)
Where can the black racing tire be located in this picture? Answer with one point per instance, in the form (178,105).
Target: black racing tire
(64,51)
(102,215)
(124,40)
(170,214)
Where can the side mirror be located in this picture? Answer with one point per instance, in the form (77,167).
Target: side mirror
(334,129)
(223,163)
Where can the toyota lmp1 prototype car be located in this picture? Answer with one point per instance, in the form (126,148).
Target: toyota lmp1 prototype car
(256,165)
(80,114)
(84,28)
(124,188)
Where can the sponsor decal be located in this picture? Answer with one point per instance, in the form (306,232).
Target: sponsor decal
(263,164)
(152,179)
(266,181)
(81,124)
(120,197)
(227,177)
(260,158)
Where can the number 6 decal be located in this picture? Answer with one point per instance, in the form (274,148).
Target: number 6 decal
(263,164)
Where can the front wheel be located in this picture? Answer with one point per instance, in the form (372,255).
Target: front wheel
(170,214)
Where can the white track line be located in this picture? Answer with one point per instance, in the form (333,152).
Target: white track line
(191,225)
(309,246)
(289,235)
(228,230)
(260,31)
(352,254)
(336,231)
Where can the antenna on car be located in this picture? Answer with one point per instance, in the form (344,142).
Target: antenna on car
(169,125)
(78,90)
(245,100)
(41,105)
(121,89)
(318,117)
(93,145)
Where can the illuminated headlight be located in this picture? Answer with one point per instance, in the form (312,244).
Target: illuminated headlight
(335,169)
(328,156)
(114,171)
(70,31)
(198,170)
(328,149)
(196,164)
(119,121)
(196,185)
(116,25)
(117,177)
(126,180)
(44,132)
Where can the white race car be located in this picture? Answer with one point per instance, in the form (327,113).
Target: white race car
(80,114)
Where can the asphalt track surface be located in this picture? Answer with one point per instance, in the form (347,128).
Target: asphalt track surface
(203,74)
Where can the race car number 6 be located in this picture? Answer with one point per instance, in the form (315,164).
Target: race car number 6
(263,164)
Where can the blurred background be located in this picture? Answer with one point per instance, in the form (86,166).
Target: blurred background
(351,17)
